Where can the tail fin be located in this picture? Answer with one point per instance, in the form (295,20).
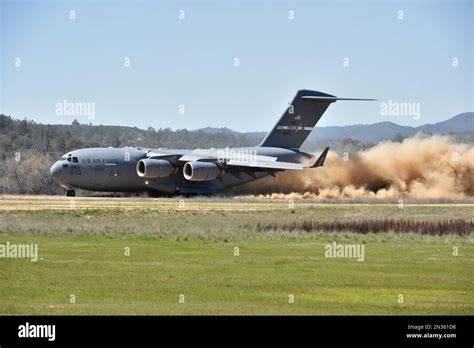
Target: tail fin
(299,119)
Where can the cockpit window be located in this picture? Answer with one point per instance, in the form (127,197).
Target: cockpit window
(69,158)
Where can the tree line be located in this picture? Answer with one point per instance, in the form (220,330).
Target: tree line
(28,149)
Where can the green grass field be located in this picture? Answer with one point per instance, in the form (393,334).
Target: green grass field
(190,250)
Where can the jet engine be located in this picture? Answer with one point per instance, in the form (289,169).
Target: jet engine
(200,171)
(154,168)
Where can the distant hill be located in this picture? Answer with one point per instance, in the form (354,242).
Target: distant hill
(389,130)
(374,132)
(368,133)
(211,130)
(26,135)
(457,124)
(225,130)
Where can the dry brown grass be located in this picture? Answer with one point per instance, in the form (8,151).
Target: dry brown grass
(455,227)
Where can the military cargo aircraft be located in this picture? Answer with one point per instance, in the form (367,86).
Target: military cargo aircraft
(199,171)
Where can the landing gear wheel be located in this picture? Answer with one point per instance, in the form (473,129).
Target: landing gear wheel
(70,193)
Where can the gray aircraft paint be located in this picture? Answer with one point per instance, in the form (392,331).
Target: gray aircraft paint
(115,169)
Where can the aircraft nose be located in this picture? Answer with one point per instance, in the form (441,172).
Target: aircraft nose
(56,170)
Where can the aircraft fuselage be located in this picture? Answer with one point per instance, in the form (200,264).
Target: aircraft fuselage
(115,169)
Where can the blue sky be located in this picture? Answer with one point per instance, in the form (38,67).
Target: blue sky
(190,61)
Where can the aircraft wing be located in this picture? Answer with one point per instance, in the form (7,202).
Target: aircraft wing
(224,157)
(266,164)
(163,153)
(273,164)
(235,159)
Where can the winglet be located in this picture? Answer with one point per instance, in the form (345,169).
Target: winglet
(320,161)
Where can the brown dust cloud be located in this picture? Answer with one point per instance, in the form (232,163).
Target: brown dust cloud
(419,167)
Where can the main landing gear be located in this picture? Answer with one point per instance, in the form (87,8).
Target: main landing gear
(70,193)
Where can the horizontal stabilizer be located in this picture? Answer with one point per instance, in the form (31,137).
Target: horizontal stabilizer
(331,98)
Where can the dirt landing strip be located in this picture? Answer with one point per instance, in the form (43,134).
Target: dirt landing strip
(23,202)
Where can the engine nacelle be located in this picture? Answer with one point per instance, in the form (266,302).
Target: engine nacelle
(200,171)
(150,168)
